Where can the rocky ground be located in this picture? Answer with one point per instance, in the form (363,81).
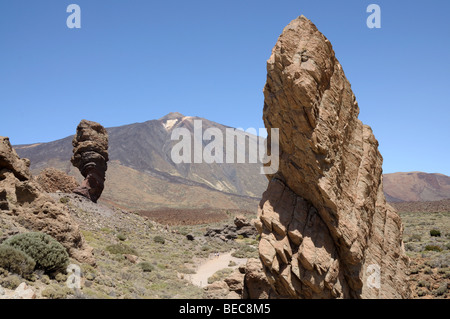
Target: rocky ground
(430,255)
(136,257)
(139,258)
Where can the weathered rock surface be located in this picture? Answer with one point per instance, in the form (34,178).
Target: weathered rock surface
(326,229)
(90,156)
(53,180)
(24,206)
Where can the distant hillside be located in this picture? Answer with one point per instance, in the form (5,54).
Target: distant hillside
(141,174)
(416,186)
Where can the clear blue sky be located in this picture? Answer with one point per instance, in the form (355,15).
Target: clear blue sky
(138,60)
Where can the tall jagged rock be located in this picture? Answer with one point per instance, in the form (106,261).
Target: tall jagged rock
(326,229)
(24,206)
(90,156)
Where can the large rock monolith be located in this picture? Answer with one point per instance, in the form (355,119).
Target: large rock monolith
(326,229)
(90,156)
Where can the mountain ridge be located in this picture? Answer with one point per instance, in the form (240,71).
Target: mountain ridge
(144,147)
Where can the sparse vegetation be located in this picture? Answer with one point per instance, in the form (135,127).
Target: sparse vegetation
(428,252)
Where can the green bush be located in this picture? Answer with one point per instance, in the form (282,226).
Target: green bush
(146,266)
(121,237)
(11,282)
(48,254)
(433,248)
(245,252)
(442,290)
(159,240)
(121,249)
(415,237)
(435,233)
(16,261)
(64,200)
(220,275)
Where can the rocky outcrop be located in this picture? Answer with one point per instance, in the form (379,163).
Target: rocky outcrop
(53,180)
(326,229)
(241,227)
(24,206)
(90,155)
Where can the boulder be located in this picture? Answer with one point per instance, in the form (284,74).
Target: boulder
(326,229)
(24,292)
(90,156)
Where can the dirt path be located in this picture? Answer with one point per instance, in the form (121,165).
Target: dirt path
(213,264)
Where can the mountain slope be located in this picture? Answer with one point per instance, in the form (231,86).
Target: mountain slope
(416,186)
(142,175)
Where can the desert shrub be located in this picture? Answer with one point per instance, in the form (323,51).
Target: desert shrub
(56,292)
(16,261)
(428,271)
(433,248)
(421,293)
(220,275)
(121,237)
(64,200)
(121,249)
(11,282)
(61,277)
(435,233)
(415,237)
(423,283)
(146,266)
(48,254)
(245,252)
(159,239)
(441,290)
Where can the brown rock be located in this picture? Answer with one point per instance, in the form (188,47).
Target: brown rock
(131,258)
(324,222)
(240,221)
(256,284)
(10,160)
(25,206)
(235,281)
(90,155)
(53,180)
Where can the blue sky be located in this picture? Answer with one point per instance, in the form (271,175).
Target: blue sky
(133,61)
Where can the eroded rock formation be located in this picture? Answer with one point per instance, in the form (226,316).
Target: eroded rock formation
(326,229)
(53,180)
(90,156)
(24,206)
